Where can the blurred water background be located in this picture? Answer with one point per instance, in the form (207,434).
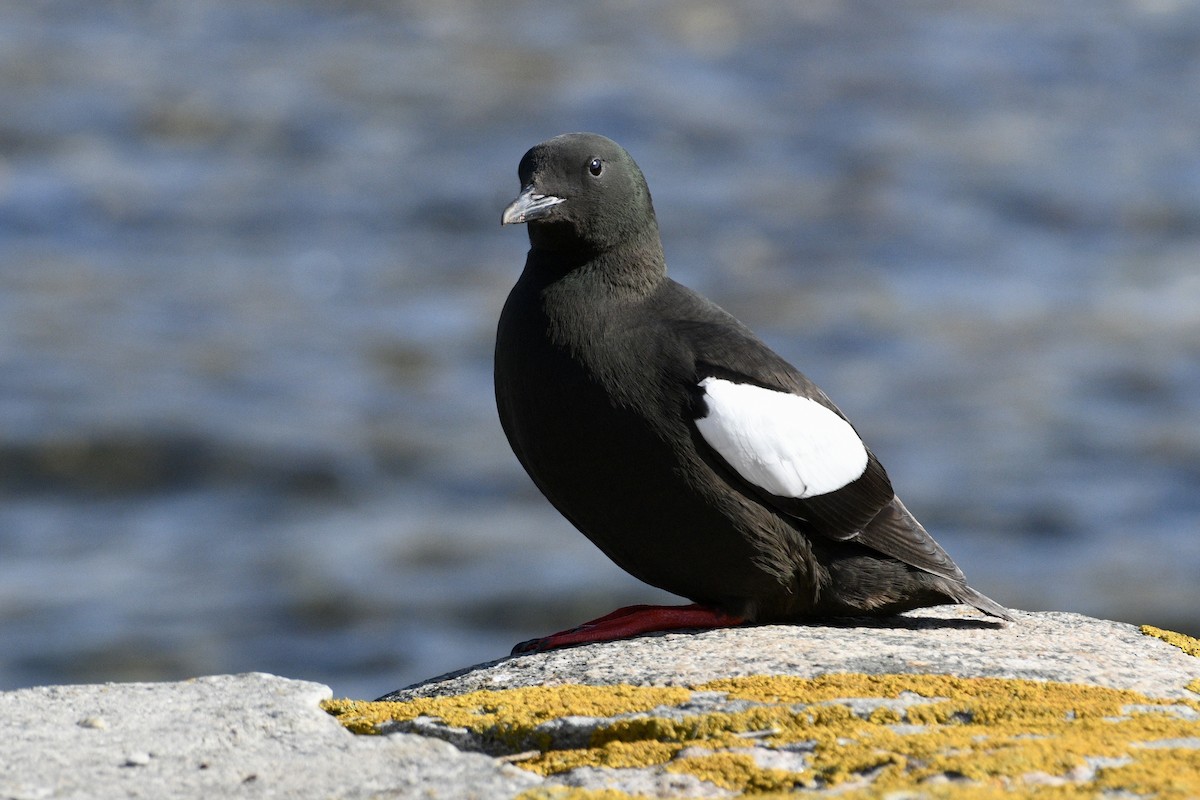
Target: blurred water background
(250,267)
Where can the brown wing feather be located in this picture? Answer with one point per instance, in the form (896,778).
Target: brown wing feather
(895,532)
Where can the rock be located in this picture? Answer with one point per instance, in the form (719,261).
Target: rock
(935,702)
(949,640)
(226,736)
(937,697)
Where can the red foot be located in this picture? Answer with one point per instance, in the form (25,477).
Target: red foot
(632,621)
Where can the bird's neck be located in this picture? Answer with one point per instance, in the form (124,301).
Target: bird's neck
(636,264)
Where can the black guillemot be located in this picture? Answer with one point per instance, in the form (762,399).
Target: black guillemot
(664,430)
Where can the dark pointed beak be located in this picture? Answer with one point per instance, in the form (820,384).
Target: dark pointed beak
(529,206)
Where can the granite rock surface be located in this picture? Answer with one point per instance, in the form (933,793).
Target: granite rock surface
(951,640)
(936,703)
(237,736)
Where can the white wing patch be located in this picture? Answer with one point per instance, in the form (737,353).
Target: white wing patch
(786,444)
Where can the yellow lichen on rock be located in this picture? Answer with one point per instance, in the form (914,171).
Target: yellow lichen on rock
(516,710)
(613,755)
(1166,772)
(574,793)
(1186,643)
(737,771)
(959,737)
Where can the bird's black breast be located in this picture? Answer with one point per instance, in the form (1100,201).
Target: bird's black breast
(596,394)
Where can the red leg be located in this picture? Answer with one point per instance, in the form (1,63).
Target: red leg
(632,621)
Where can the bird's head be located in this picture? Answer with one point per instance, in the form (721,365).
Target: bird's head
(581,190)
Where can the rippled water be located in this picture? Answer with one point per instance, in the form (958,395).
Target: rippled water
(250,266)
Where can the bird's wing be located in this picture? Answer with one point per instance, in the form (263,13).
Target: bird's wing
(775,434)
(896,532)
(805,460)
(798,453)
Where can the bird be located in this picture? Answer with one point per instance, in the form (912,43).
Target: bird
(695,457)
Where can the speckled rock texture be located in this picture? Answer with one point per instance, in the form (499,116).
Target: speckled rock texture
(227,736)
(936,703)
(950,640)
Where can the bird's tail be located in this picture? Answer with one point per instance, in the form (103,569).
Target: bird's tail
(965,594)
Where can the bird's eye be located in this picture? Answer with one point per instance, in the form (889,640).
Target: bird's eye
(595,166)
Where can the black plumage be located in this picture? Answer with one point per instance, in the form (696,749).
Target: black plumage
(599,363)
